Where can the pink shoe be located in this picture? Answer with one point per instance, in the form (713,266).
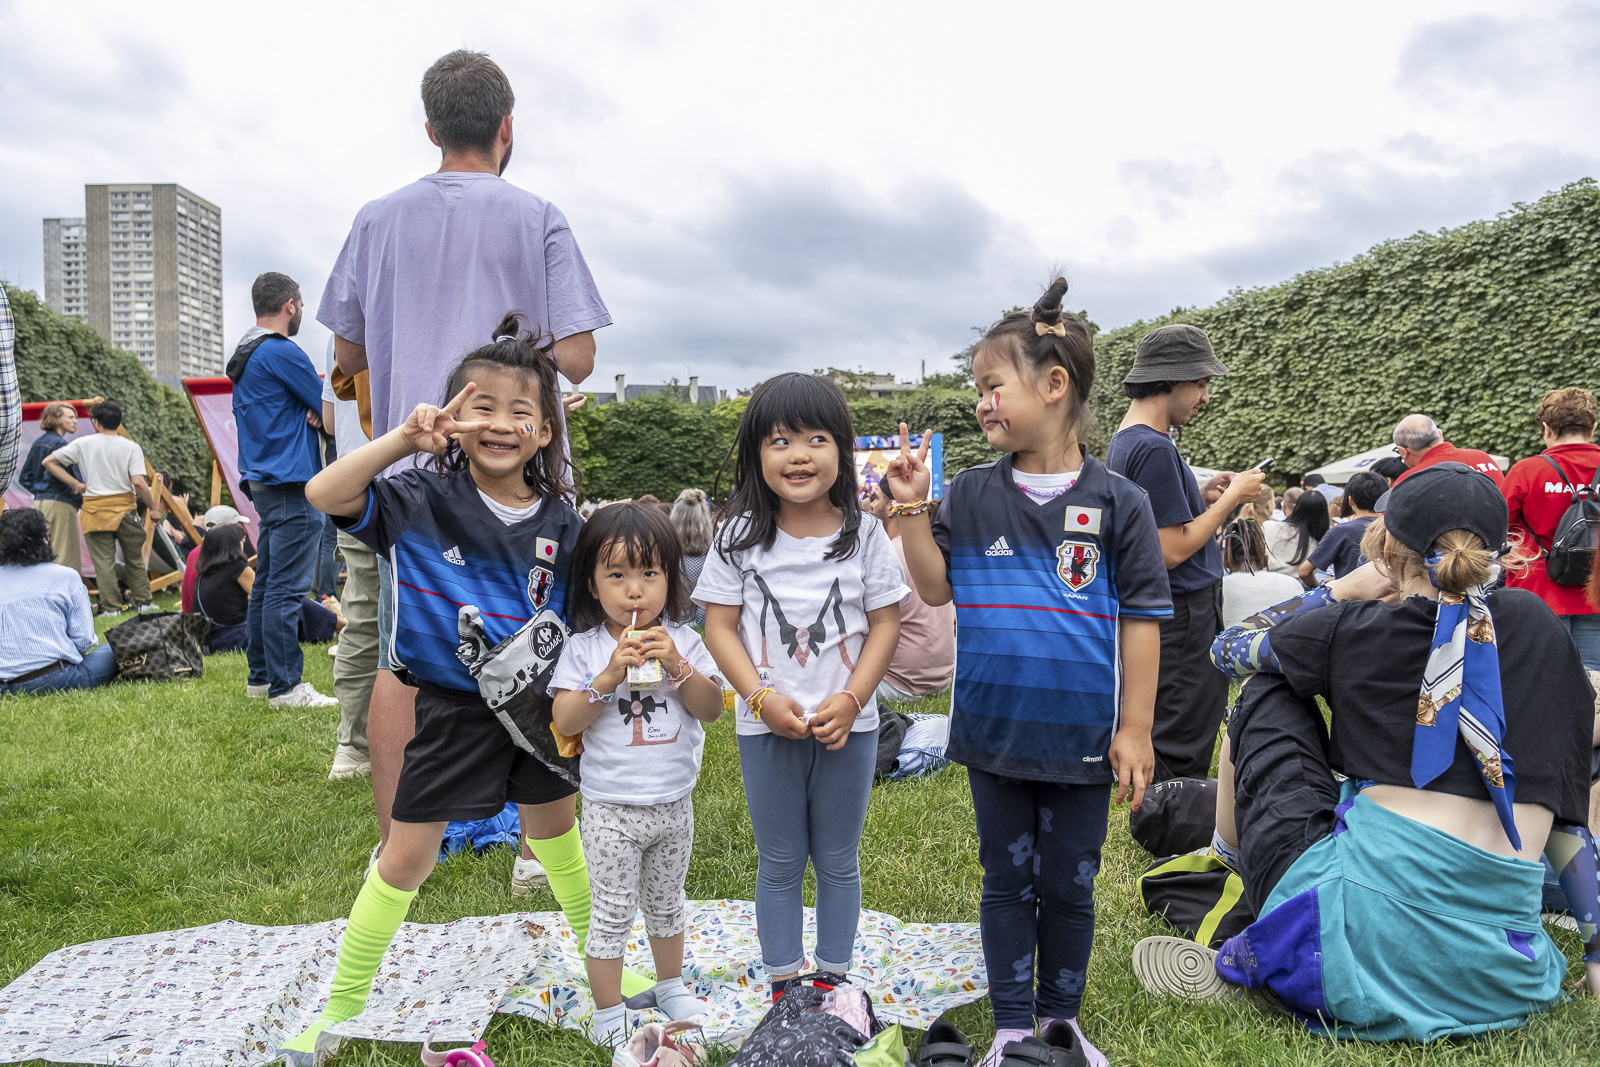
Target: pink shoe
(1002,1038)
(652,1046)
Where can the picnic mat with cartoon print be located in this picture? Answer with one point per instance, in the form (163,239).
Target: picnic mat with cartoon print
(229,994)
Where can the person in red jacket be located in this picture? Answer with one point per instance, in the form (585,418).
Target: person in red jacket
(1422,445)
(1538,497)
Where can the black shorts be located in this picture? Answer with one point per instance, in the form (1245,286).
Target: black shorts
(461,764)
(1284,792)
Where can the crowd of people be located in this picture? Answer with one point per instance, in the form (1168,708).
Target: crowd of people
(1086,616)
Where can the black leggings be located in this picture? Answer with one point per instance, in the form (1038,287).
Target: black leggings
(1039,844)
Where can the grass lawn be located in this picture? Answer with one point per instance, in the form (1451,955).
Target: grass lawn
(140,807)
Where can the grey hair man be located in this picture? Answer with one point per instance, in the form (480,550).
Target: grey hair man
(1421,444)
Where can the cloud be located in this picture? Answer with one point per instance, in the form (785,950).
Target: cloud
(1169,185)
(1470,55)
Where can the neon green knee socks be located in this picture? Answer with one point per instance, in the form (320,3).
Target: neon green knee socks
(374,920)
(562,860)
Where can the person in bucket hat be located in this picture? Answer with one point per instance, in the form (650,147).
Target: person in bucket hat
(1168,386)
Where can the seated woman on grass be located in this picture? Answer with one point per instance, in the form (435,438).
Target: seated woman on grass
(222,594)
(47,639)
(1404,902)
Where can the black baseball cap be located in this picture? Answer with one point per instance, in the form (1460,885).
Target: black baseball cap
(1435,500)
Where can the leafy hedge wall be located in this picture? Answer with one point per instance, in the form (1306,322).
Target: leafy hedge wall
(1469,325)
(63,359)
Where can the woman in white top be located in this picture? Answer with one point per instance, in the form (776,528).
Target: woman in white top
(1290,542)
(1248,586)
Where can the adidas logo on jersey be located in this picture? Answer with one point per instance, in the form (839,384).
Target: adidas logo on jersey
(453,555)
(999,548)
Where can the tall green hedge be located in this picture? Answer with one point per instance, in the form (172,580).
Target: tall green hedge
(1470,325)
(62,359)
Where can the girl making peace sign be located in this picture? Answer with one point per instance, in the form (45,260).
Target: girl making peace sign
(485,524)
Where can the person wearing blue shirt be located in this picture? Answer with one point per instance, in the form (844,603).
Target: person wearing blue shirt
(277,405)
(53,497)
(47,638)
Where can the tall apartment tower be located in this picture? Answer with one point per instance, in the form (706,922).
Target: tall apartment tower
(65,278)
(155,276)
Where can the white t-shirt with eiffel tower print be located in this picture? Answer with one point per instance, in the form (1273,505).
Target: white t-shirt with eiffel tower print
(803,618)
(644,748)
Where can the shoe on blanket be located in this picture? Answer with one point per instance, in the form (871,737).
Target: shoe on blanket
(526,875)
(653,1045)
(944,1046)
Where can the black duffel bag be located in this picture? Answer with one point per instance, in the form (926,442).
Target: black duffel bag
(160,647)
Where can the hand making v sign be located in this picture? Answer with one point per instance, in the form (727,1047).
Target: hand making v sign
(429,428)
(908,476)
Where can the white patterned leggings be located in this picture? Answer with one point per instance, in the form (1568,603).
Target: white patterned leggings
(638,858)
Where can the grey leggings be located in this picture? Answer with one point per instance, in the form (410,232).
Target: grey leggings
(806,802)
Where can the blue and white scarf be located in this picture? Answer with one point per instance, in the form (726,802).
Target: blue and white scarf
(1461,694)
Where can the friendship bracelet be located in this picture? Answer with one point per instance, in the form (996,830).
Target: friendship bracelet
(914,507)
(595,696)
(756,699)
(860,708)
(682,676)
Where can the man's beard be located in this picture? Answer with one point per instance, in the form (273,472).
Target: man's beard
(294,323)
(505,160)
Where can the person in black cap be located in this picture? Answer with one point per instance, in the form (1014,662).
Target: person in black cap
(1405,902)
(1168,385)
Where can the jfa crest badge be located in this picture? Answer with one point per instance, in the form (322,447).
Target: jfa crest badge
(1075,563)
(541,582)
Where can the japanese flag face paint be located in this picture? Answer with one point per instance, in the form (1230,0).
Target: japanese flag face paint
(994,406)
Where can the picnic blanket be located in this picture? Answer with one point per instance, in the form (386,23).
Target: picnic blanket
(230,994)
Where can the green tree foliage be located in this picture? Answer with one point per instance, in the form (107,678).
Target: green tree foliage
(62,359)
(1470,325)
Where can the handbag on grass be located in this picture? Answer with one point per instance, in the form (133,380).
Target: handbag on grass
(160,647)
(1199,895)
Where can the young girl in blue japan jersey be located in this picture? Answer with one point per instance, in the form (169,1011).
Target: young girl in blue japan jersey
(485,525)
(1056,571)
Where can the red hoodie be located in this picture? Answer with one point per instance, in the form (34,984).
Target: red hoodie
(1445,452)
(1537,499)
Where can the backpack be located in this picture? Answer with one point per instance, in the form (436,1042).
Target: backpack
(1199,895)
(1570,553)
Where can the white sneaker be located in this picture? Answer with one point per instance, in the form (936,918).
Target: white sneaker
(348,764)
(302,696)
(148,609)
(525,875)
(333,650)
(257,690)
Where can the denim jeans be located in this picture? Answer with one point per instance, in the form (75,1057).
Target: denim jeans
(99,666)
(327,562)
(286,561)
(1585,631)
(806,802)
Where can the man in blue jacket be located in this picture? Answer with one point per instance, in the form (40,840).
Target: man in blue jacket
(277,407)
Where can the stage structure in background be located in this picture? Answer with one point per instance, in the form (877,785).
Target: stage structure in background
(874,453)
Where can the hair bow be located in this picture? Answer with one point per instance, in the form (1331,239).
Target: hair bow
(1042,328)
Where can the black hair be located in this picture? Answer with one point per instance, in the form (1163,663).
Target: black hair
(1016,337)
(1244,546)
(24,538)
(1310,518)
(1312,480)
(220,546)
(524,353)
(107,414)
(791,401)
(1364,488)
(1389,468)
(270,291)
(1145,390)
(644,533)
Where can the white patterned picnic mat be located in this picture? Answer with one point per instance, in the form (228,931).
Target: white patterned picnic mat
(228,994)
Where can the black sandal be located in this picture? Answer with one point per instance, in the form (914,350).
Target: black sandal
(1036,1052)
(943,1046)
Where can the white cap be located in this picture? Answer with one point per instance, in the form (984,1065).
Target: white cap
(223,515)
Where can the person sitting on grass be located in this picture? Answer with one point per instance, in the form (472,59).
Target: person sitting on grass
(47,638)
(222,594)
(1403,903)
(485,524)
(628,604)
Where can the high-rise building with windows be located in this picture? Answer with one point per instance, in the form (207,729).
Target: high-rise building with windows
(154,260)
(65,279)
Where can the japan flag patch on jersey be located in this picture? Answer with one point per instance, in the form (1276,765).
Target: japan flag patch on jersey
(1083,520)
(546,549)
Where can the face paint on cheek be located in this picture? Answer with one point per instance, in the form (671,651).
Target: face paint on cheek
(994,406)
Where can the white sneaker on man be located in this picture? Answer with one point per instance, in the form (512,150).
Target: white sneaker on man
(257,690)
(525,876)
(348,763)
(302,696)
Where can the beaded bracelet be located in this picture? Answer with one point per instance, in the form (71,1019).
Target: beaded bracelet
(682,675)
(755,700)
(595,696)
(914,507)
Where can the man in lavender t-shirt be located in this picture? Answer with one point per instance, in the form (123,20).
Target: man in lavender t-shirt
(426,274)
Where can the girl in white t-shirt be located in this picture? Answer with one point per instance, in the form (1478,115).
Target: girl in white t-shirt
(802,594)
(627,599)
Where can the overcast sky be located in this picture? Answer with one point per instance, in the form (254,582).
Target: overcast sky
(762,187)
